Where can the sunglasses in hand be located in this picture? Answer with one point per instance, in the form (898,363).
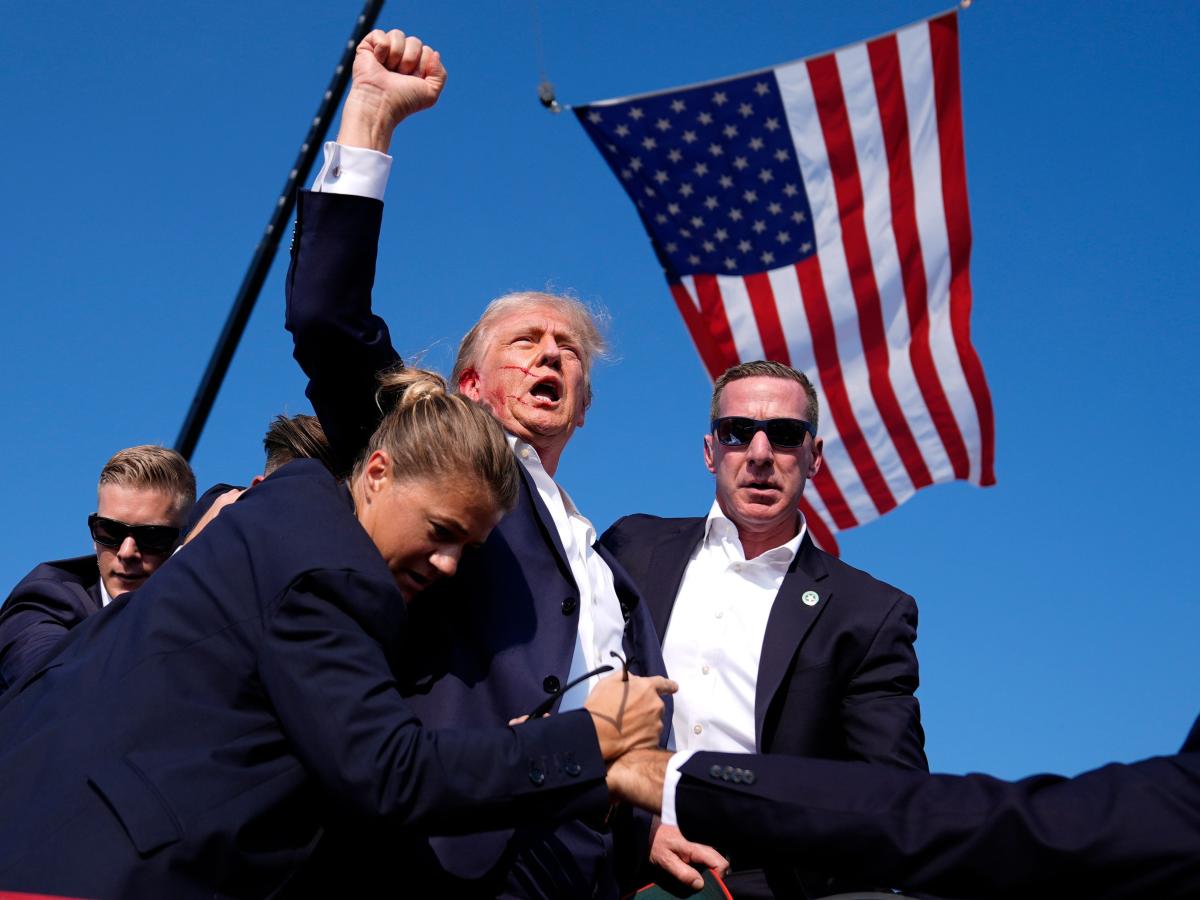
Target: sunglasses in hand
(544,707)
(155,539)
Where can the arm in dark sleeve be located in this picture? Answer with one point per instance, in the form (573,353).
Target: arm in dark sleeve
(1122,831)
(35,619)
(336,699)
(881,717)
(340,344)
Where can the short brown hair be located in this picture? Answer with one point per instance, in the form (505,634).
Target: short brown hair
(763,368)
(297,437)
(151,467)
(583,319)
(430,432)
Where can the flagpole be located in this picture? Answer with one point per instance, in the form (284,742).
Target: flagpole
(264,254)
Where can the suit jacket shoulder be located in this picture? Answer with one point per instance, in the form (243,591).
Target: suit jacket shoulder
(42,608)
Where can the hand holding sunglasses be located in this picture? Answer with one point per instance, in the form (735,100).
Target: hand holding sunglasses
(628,714)
(153,539)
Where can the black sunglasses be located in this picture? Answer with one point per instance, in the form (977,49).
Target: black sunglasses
(738,431)
(156,539)
(544,707)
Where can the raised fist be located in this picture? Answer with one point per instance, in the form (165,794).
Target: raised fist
(394,76)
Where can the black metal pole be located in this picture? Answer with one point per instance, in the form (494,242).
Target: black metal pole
(264,254)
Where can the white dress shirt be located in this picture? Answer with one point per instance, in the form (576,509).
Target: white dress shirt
(105,598)
(357,170)
(601,624)
(715,636)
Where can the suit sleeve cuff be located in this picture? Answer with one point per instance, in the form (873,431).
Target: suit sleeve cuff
(670,782)
(353,170)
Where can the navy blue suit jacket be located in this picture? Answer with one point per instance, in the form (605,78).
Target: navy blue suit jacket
(1121,832)
(194,739)
(835,680)
(490,643)
(45,605)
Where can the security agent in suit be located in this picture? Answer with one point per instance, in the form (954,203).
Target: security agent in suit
(143,496)
(1120,832)
(777,646)
(536,606)
(194,740)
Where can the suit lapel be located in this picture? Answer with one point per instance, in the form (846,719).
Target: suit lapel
(665,573)
(787,626)
(541,515)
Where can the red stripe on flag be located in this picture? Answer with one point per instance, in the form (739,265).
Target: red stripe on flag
(818,529)
(834,500)
(943,42)
(889,91)
(712,309)
(843,163)
(766,314)
(697,326)
(829,369)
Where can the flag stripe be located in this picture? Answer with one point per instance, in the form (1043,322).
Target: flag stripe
(889,88)
(766,314)
(818,529)
(943,37)
(820,326)
(839,143)
(741,316)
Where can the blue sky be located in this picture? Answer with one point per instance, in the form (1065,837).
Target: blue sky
(145,144)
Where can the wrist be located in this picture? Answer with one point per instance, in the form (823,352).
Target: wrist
(367,120)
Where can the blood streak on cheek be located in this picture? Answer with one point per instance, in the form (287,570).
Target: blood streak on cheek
(519,369)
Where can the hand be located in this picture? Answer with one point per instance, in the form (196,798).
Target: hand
(628,714)
(638,777)
(394,76)
(672,852)
(211,513)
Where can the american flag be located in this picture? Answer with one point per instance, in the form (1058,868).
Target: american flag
(816,214)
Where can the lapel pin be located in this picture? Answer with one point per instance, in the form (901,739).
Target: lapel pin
(810,598)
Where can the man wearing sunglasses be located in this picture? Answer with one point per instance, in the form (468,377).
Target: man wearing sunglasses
(777,646)
(143,496)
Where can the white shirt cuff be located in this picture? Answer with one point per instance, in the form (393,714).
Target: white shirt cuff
(353,170)
(670,782)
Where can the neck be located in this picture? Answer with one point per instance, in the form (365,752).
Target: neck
(757,541)
(549,451)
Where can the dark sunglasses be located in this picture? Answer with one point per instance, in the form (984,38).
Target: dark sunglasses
(738,431)
(149,538)
(544,707)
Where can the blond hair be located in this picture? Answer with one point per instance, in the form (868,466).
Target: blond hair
(584,321)
(430,432)
(154,468)
(763,368)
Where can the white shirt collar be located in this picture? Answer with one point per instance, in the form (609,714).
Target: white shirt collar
(105,598)
(720,529)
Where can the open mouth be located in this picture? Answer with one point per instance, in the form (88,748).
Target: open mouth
(546,390)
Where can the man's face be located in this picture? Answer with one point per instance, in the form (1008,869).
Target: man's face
(531,376)
(126,568)
(759,485)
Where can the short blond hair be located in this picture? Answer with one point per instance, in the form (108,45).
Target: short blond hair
(297,437)
(155,468)
(585,321)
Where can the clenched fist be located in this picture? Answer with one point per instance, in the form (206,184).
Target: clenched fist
(394,76)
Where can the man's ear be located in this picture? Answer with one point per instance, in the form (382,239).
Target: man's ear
(710,454)
(468,384)
(817,457)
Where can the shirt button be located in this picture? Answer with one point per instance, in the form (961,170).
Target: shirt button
(550,684)
(720,613)
(704,669)
(524,453)
(696,729)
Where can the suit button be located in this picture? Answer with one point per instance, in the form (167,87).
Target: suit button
(550,684)
(572,768)
(736,778)
(569,606)
(727,773)
(747,777)
(714,771)
(536,775)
